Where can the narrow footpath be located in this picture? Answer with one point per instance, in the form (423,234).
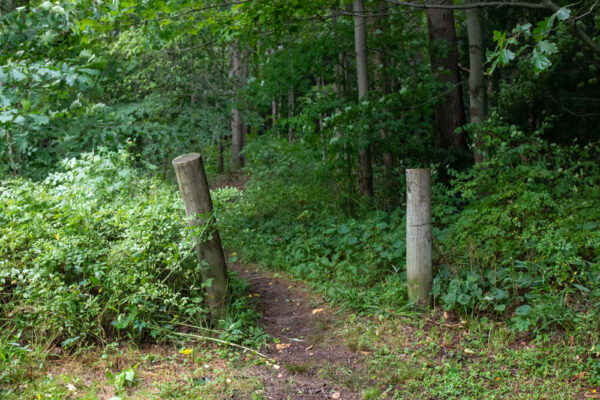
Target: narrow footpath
(306,353)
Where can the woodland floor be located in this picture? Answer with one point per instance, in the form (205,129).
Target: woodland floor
(300,323)
(303,352)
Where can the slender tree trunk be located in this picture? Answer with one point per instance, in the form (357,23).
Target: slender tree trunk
(291,105)
(10,153)
(381,84)
(273,112)
(476,98)
(450,114)
(237,125)
(365,170)
(320,85)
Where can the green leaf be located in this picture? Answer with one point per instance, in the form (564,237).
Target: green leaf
(582,288)
(17,75)
(464,299)
(506,56)
(6,117)
(40,119)
(546,47)
(523,311)
(563,13)
(130,375)
(540,62)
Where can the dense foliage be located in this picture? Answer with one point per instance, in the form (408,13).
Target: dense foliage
(98,250)
(96,98)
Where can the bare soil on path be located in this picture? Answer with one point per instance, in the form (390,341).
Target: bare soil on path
(304,348)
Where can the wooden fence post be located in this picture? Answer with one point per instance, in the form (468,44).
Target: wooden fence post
(198,207)
(418,235)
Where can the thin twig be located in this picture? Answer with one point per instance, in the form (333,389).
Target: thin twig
(220,341)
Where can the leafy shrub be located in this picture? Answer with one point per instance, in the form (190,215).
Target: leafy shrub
(527,243)
(98,250)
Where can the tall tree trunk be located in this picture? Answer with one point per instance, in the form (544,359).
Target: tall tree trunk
(450,114)
(476,98)
(365,170)
(381,83)
(291,105)
(237,125)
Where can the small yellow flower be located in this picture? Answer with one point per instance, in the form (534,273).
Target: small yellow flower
(186,351)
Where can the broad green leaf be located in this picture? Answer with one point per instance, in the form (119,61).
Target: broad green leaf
(523,310)
(546,47)
(17,75)
(6,117)
(506,56)
(540,62)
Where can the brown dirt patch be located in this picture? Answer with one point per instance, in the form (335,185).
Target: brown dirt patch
(305,347)
(234,179)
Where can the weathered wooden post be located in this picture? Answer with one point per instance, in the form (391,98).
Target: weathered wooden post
(418,235)
(198,207)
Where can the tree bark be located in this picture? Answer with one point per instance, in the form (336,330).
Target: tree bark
(291,106)
(237,128)
(450,114)
(365,170)
(381,83)
(476,98)
(199,209)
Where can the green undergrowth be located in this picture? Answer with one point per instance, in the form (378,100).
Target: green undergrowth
(285,220)
(96,252)
(526,246)
(426,359)
(516,239)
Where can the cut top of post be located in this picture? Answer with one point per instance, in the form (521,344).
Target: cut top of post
(185,158)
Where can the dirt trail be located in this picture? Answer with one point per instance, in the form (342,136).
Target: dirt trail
(301,322)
